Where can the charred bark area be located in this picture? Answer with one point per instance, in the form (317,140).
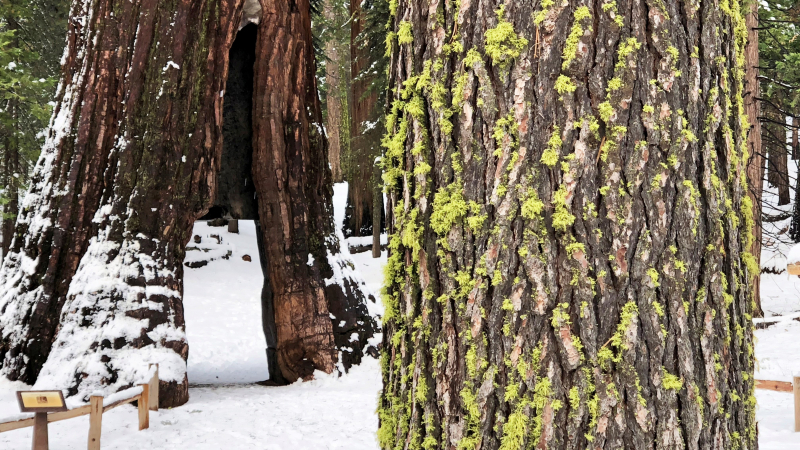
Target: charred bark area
(569,264)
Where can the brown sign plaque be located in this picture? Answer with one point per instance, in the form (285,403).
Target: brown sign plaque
(41,401)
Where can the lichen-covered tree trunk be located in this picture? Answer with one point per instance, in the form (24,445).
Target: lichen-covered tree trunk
(91,292)
(569,262)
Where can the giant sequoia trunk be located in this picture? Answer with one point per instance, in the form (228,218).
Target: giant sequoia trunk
(569,261)
(92,288)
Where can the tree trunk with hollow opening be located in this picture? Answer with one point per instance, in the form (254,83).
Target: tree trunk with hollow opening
(92,287)
(569,261)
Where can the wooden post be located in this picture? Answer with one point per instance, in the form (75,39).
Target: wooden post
(95,421)
(796,404)
(144,408)
(233,226)
(40,438)
(154,390)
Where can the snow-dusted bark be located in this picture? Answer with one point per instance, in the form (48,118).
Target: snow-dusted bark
(129,164)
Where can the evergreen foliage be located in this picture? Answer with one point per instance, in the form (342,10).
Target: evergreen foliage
(31,42)
(779,75)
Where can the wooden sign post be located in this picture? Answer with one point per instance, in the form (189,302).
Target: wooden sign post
(40,403)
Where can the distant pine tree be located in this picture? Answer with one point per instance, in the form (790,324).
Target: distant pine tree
(31,42)
(794,228)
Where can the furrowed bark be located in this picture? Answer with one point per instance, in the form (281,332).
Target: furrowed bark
(569,262)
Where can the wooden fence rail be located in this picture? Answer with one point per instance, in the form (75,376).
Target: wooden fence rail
(785,386)
(145,394)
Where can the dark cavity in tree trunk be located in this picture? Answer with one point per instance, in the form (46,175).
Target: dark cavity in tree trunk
(236,193)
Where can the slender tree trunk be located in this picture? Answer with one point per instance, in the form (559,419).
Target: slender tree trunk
(755,165)
(12,172)
(364,142)
(569,261)
(795,143)
(377,209)
(334,101)
(93,293)
(777,157)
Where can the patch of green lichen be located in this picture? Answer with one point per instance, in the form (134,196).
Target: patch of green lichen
(564,84)
(562,218)
(606,355)
(670,381)
(540,16)
(505,126)
(654,277)
(404,35)
(606,111)
(551,154)
(449,207)
(575,35)
(503,45)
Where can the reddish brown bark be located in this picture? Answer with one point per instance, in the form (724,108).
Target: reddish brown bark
(289,174)
(755,166)
(334,108)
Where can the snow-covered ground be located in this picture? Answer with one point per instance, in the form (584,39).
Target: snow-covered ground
(227,411)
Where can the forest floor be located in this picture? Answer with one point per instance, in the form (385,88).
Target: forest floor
(227,411)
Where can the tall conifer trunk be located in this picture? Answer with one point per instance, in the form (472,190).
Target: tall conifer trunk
(91,292)
(569,262)
(755,166)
